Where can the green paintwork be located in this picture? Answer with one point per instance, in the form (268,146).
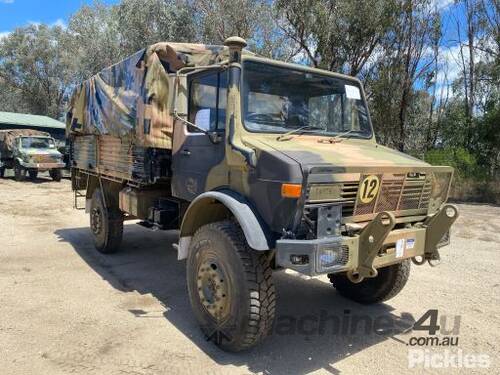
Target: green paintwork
(30,121)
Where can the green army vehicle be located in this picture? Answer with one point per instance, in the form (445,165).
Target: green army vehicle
(28,151)
(261,165)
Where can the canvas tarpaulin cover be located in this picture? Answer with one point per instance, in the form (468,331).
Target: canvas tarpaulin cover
(132,98)
(8,137)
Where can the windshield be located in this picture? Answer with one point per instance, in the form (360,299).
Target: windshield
(37,142)
(279,100)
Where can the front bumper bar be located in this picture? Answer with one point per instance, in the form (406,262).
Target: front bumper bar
(43,166)
(377,245)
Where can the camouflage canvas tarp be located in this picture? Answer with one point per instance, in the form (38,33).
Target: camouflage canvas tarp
(131,98)
(8,137)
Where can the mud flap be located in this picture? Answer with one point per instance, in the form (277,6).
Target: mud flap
(371,240)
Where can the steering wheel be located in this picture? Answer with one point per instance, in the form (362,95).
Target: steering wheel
(260,117)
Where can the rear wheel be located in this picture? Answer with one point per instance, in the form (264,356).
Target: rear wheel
(33,173)
(106,225)
(387,284)
(55,174)
(230,287)
(19,172)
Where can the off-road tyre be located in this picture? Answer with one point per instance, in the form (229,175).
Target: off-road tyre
(387,284)
(246,288)
(2,172)
(33,173)
(106,225)
(19,172)
(55,174)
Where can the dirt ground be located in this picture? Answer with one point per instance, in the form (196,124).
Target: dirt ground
(64,308)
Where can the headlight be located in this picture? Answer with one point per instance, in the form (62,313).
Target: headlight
(332,256)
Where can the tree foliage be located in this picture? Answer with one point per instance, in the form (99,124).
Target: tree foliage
(32,69)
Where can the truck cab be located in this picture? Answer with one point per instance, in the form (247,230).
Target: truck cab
(269,165)
(297,145)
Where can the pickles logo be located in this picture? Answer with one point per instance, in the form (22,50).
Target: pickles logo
(369,188)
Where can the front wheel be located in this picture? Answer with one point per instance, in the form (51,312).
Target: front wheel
(106,225)
(33,174)
(387,284)
(230,287)
(19,172)
(55,174)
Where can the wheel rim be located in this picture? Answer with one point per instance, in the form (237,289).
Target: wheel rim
(213,290)
(96,221)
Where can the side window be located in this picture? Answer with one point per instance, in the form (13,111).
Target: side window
(207,100)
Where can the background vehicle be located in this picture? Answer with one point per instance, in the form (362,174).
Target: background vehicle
(259,164)
(28,151)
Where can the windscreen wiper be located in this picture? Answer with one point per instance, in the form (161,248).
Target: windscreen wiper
(338,137)
(283,137)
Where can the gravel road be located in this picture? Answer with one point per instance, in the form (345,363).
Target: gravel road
(67,309)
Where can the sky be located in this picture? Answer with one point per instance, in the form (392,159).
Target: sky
(14,13)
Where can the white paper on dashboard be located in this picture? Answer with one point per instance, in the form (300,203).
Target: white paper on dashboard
(352,92)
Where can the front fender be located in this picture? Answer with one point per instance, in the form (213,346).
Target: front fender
(19,160)
(214,206)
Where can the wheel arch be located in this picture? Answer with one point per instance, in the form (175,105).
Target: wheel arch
(214,206)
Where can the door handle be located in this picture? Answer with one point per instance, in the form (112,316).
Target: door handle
(185,152)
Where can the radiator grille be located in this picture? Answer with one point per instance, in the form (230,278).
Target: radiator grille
(398,192)
(44,158)
(349,193)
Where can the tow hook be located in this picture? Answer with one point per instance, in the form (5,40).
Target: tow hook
(371,239)
(436,227)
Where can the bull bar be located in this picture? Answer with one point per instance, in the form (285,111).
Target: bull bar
(377,245)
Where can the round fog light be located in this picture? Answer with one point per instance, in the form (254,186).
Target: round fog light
(450,212)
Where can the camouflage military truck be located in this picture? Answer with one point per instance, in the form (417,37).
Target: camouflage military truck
(29,151)
(261,165)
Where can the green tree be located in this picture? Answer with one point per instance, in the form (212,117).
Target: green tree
(405,62)
(337,35)
(253,20)
(94,40)
(33,69)
(144,22)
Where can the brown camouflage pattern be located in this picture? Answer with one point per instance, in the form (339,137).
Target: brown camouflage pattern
(8,137)
(133,98)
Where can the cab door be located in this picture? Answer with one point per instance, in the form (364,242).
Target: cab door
(198,161)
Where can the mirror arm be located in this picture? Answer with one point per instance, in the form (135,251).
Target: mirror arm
(211,135)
